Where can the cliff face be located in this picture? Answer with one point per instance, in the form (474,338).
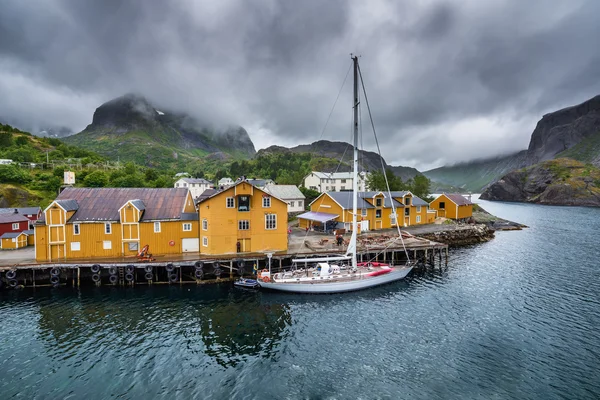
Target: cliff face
(563,129)
(558,182)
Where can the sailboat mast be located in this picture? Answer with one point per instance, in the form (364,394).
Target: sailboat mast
(355,164)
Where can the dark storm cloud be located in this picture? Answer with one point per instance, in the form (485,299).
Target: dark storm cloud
(463,79)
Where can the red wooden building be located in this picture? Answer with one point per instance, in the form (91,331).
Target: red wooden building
(13,222)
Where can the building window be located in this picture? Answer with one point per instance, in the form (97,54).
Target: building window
(418,209)
(15,226)
(157,227)
(107,245)
(266,202)
(377,213)
(292,204)
(442,205)
(133,246)
(204,224)
(243,225)
(407,211)
(393,219)
(378,202)
(230,202)
(75,246)
(271,221)
(204,241)
(407,201)
(177,185)
(343,181)
(244,203)
(187,227)
(75,229)
(418,219)
(343,188)
(107,228)
(363,212)
(300,203)
(185,185)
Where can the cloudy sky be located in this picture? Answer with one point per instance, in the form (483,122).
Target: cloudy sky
(447,81)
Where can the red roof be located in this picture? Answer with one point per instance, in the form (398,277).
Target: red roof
(6,218)
(458,199)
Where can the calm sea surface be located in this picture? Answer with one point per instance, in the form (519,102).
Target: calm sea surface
(515,318)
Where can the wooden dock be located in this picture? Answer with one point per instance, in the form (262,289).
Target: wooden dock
(195,268)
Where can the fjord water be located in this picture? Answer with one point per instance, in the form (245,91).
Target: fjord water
(517,317)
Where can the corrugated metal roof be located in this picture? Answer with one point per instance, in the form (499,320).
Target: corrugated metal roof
(344,199)
(318,216)
(10,235)
(68,204)
(10,218)
(189,217)
(102,204)
(29,232)
(196,180)
(139,204)
(284,192)
(21,210)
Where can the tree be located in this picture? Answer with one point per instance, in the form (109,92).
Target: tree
(6,139)
(310,195)
(421,186)
(150,174)
(376,181)
(96,179)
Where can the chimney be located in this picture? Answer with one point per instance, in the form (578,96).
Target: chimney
(16,211)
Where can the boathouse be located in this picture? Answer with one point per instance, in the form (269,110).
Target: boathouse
(116,222)
(452,205)
(242,218)
(13,240)
(375,211)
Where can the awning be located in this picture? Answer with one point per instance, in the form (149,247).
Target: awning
(318,216)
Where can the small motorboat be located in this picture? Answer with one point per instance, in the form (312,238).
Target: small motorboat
(246,283)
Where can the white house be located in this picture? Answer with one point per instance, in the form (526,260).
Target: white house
(333,181)
(225,182)
(5,161)
(195,185)
(288,193)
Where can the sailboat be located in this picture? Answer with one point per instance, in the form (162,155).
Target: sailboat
(341,273)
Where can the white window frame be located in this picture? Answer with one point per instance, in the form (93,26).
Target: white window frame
(106,245)
(268,222)
(204,224)
(418,209)
(393,219)
(244,225)
(14,240)
(187,226)
(266,203)
(15,226)
(380,214)
(204,241)
(292,204)
(75,246)
(363,212)
(418,219)
(229,200)
(156,227)
(107,228)
(77,229)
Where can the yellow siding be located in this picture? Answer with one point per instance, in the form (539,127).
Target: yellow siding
(222,234)
(451,209)
(8,244)
(41,245)
(30,240)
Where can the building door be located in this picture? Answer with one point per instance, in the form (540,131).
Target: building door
(364,226)
(56,252)
(190,245)
(379,224)
(244,245)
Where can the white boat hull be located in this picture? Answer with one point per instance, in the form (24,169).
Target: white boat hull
(332,286)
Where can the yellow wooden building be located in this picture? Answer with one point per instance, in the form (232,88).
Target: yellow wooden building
(333,210)
(113,222)
(242,218)
(452,205)
(30,237)
(13,240)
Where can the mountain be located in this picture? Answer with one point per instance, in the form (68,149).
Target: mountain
(130,128)
(342,151)
(561,181)
(561,130)
(572,132)
(474,176)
